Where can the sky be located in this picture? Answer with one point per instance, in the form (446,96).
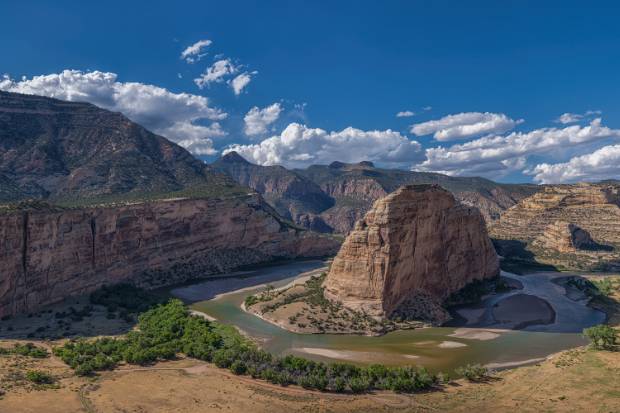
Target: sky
(515,91)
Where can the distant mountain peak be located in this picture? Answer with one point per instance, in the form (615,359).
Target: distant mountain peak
(342,165)
(233,157)
(66,151)
(337,165)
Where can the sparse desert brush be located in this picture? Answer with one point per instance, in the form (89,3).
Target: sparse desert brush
(473,372)
(39,377)
(602,337)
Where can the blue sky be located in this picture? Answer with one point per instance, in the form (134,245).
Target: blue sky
(332,65)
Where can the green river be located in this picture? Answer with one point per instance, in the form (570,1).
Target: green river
(434,348)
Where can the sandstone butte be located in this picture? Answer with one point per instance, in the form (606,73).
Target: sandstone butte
(47,255)
(411,251)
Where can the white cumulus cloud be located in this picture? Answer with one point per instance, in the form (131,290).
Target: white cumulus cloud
(465,125)
(300,146)
(496,154)
(240,82)
(258,120)
(603,163)
(173,115)
(405,114)
(567,118)
(216,73)
(194,52)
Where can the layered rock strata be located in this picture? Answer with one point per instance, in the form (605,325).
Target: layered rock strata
(570,226)
(412,250)
(565,237)
(47,255)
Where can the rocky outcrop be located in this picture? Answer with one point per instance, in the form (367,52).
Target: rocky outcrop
(49,254)
(412,250)
(564,237)
(570,226)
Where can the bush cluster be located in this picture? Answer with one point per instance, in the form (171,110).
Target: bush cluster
(27,350)
(39,377)
(169,329)
(605,286)
(162,332)
(602,337)
(473,372)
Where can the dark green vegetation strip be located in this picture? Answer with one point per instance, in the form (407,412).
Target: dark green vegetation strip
(167,330)
(199,191)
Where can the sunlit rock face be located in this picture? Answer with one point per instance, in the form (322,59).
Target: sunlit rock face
(417,245)
(565,237)
(47,255)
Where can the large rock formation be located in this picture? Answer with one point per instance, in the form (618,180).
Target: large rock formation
(570,226)
(413,249)
(331,198)
(49,254)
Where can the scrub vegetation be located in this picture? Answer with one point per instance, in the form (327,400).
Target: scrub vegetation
(168,330)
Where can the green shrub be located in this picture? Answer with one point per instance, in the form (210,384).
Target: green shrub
(604,286)
(359,384)
(39,377)
(29,350)
(473,372)
(338,385)
(602,337)
(251,300)
(238,367)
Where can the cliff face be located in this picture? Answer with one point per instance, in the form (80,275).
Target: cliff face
(413,249)
(48,255)
(564,237)
(571,226)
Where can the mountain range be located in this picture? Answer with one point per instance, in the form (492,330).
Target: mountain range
(71,152)
(331,198)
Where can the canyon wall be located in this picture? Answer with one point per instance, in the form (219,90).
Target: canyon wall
(46,255)
(412,250)
(570,226)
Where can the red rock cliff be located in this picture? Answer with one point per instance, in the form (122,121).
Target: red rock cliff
(48,255)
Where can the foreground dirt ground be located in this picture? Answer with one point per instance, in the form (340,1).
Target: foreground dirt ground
(574,381)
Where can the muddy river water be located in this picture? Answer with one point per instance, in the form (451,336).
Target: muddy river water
(437,348)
